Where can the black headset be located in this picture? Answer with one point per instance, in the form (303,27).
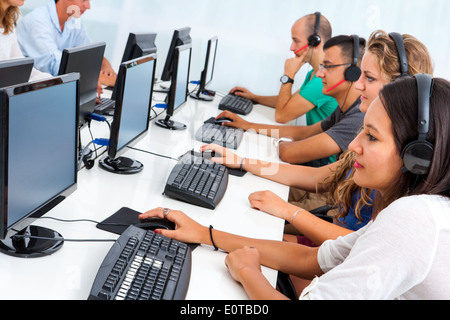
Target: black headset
(353,72)
(314,39)
(403,59)
(417,155)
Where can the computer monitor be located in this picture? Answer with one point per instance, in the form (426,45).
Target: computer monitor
(131,116)
(87,61)
(180,37)
(178,88)
(208,72)
(38,161)
(15,71)
(138,45)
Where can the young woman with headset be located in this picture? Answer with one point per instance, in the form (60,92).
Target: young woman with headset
(403,152)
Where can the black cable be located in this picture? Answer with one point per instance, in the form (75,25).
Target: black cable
(155,154)
(24,236)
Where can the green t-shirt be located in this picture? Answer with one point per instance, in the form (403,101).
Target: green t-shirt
(325,105)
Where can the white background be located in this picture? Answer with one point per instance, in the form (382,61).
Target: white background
(254,35)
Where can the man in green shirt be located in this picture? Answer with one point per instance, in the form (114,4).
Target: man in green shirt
(309,34)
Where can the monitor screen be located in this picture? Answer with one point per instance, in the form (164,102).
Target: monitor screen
(38,149)
(87,61)
(179,87)
(138,45)
(133,105)
(15,71)
(180,37)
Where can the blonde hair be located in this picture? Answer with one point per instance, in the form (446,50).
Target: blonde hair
(9,18)
(341,185)
(383,47)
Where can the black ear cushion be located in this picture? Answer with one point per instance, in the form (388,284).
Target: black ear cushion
(352,73)
(417,156)
(314,40)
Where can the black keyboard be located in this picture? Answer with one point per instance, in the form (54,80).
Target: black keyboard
(221,135)
(236,104)
(197,180)
(105,105)
(143,265)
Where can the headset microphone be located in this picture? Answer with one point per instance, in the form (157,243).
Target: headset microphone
(301,49)
(336,85)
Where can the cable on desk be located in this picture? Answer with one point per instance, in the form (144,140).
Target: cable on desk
(25,236)
(155,154)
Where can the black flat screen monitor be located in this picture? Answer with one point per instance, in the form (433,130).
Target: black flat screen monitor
(180,37)
(15,71)
(138,45)
(208,72)
(87,61)
(179,87)
(132,112)
(38,157)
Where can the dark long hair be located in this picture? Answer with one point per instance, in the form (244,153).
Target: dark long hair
(400,100)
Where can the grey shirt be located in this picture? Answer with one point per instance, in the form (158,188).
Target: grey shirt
(343,127)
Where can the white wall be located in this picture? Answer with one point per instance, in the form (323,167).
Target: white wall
(254,35)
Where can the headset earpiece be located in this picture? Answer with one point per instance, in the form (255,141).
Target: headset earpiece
(353,72)
(314,39)
(417,155)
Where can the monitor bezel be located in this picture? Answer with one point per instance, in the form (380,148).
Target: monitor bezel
(88,98)
(113,152)
(133,42)
(171,110)
(25,64)
(181,36)
(203,80)
(5,94)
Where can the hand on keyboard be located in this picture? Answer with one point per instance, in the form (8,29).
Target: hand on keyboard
(237,122)
(223,155)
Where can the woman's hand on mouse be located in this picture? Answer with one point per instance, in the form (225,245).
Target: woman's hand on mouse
(223,155)
(186,229)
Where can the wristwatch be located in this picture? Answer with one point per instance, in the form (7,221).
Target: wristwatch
(285,79)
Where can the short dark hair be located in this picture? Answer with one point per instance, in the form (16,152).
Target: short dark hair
(346,45)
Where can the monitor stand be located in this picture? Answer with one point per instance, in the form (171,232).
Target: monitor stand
(121,165)
(171,125)
(49,242)
(204,95)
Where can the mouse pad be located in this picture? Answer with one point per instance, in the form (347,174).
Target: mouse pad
(119,221)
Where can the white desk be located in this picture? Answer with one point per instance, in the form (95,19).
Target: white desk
(70,272)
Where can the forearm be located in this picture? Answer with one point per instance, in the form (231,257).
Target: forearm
(306,178)
(269,101)
(257,287)
(279,255)
(315,229)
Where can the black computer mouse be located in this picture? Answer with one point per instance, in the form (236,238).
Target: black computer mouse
(208,154)
(222,119)
(155,223)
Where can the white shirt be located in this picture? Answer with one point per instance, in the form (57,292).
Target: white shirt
(403,254)
(9,49)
